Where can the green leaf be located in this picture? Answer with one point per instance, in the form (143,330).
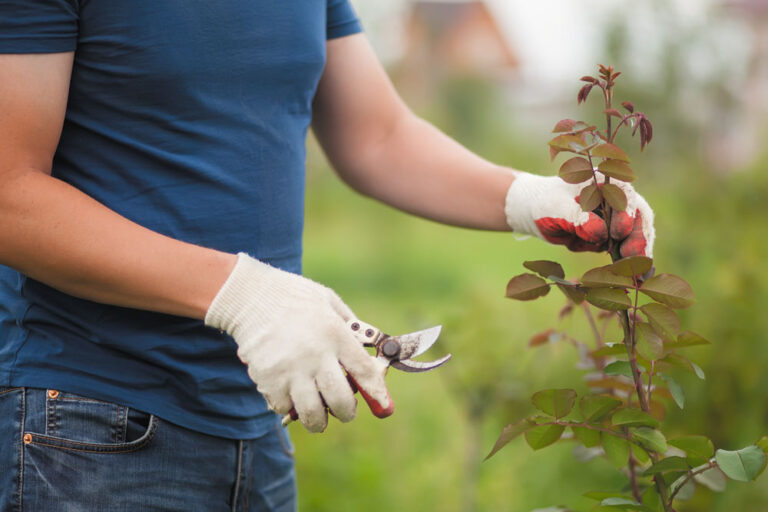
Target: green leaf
(602,277)
(614,349)
(576,170)
(610,299)
(616,169)
(631,266)
(695,447)
(587,436)
(652,500)
(595,407)
(649,438)
(509,433)
(763,443)
(612,151)
(670,290)
(527,287)
(687,488)
(649,345)
(624,504)
(615,197)
(713,479)
(742,465)
(668,464)
(616,450)
(545,268)
(698,371)
(555,402)
(676,390)
(663,319)
(618,368)
(543,435)
(688,339)
(590,198)
(633,417)
(601,495)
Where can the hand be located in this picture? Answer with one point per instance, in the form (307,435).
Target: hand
(548,207)
(292,334)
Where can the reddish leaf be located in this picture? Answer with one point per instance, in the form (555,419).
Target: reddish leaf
(589,79)
(669,289)
(603,277)
(527,287)
(553,152)
(566,143)
(542,338)
(616,169)
(613,112)
(545,268)
(577,294)
(610,151)
(663,320)
(564,125)
(584,93)
(590,198)
(631,266)
(628,105)
(609,299)
(576,170)
(615,197)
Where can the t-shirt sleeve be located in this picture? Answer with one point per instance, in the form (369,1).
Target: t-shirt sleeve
(38,26)
(341,19)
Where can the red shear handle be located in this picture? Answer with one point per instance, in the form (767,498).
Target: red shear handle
(373,404)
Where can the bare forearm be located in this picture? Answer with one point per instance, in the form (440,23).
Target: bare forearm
(54,233)
(419,169)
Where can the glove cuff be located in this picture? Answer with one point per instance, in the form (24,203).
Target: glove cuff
(523,193)
(247,289)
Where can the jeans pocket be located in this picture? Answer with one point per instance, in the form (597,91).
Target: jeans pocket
(285,439)
(79,423)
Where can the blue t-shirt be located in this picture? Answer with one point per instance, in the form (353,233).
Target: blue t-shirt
(188,117)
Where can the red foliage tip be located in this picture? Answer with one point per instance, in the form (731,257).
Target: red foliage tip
(583,93)
(628,105)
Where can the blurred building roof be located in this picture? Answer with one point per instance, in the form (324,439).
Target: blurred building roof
(456,36)
(755,7)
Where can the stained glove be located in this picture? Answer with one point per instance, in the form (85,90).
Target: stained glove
(292,334)
(548,207)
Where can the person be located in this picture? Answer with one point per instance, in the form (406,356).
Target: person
(151,211)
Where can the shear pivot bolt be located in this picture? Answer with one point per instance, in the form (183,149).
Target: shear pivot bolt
(390,348)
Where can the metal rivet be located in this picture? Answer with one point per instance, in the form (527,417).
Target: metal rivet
(27,438)
(52,393)
(355,326)
(390,348)
(368,333)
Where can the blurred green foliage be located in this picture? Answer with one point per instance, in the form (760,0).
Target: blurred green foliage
(403,273)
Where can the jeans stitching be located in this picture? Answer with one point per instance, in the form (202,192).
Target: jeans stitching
(235,494)
(21,446)
(8,390)
(66,444)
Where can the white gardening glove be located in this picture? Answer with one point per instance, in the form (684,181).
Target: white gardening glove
(547,207)
(292,334)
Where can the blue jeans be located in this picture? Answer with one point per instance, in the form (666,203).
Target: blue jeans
(68,453)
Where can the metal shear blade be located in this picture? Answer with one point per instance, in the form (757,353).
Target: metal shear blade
(412,345)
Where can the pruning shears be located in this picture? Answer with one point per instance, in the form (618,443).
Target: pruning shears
(395,351)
